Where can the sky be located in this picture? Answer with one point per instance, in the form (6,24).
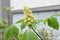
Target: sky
(19,4)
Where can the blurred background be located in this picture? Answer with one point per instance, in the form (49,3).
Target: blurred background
(41,9)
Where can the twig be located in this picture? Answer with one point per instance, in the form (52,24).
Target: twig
(37,34)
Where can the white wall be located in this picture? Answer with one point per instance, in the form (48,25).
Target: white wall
(39,15)
(18,4)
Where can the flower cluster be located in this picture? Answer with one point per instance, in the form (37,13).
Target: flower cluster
(29,18)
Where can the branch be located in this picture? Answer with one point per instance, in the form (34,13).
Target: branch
(37,34)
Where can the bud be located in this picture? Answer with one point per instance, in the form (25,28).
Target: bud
(29,19)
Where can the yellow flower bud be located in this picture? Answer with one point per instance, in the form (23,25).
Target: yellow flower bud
(26,21)
(32,17)
(26,8)
(29,11)
(27,14)
(32,20)
(29,19)
(29,23)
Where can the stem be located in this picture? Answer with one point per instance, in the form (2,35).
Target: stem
(37,34)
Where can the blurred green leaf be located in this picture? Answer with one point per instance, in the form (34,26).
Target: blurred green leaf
(15,32)
(23,25)
(19,21)
(8,33)
(6,8)
(28,35)
(56,15)
(4,21)
(3,24)
(45,21)
(52,22)
(11,31)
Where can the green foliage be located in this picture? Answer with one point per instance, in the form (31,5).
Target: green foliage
(6,8)
(44,34)
(11,31)
(47,35)
(45,21)
(29,35)
(19,21)
(8,33)
(52,22)
(23,24)
(3,24)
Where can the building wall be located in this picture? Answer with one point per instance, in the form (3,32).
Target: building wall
(0,10)
(37,15)
(18,4)
(4,14)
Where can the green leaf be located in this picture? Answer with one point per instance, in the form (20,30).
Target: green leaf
(45,21)
(15,32)
(11,31)
(19,21)
(23,25)
(28,35)
(8,34)
(52,22)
